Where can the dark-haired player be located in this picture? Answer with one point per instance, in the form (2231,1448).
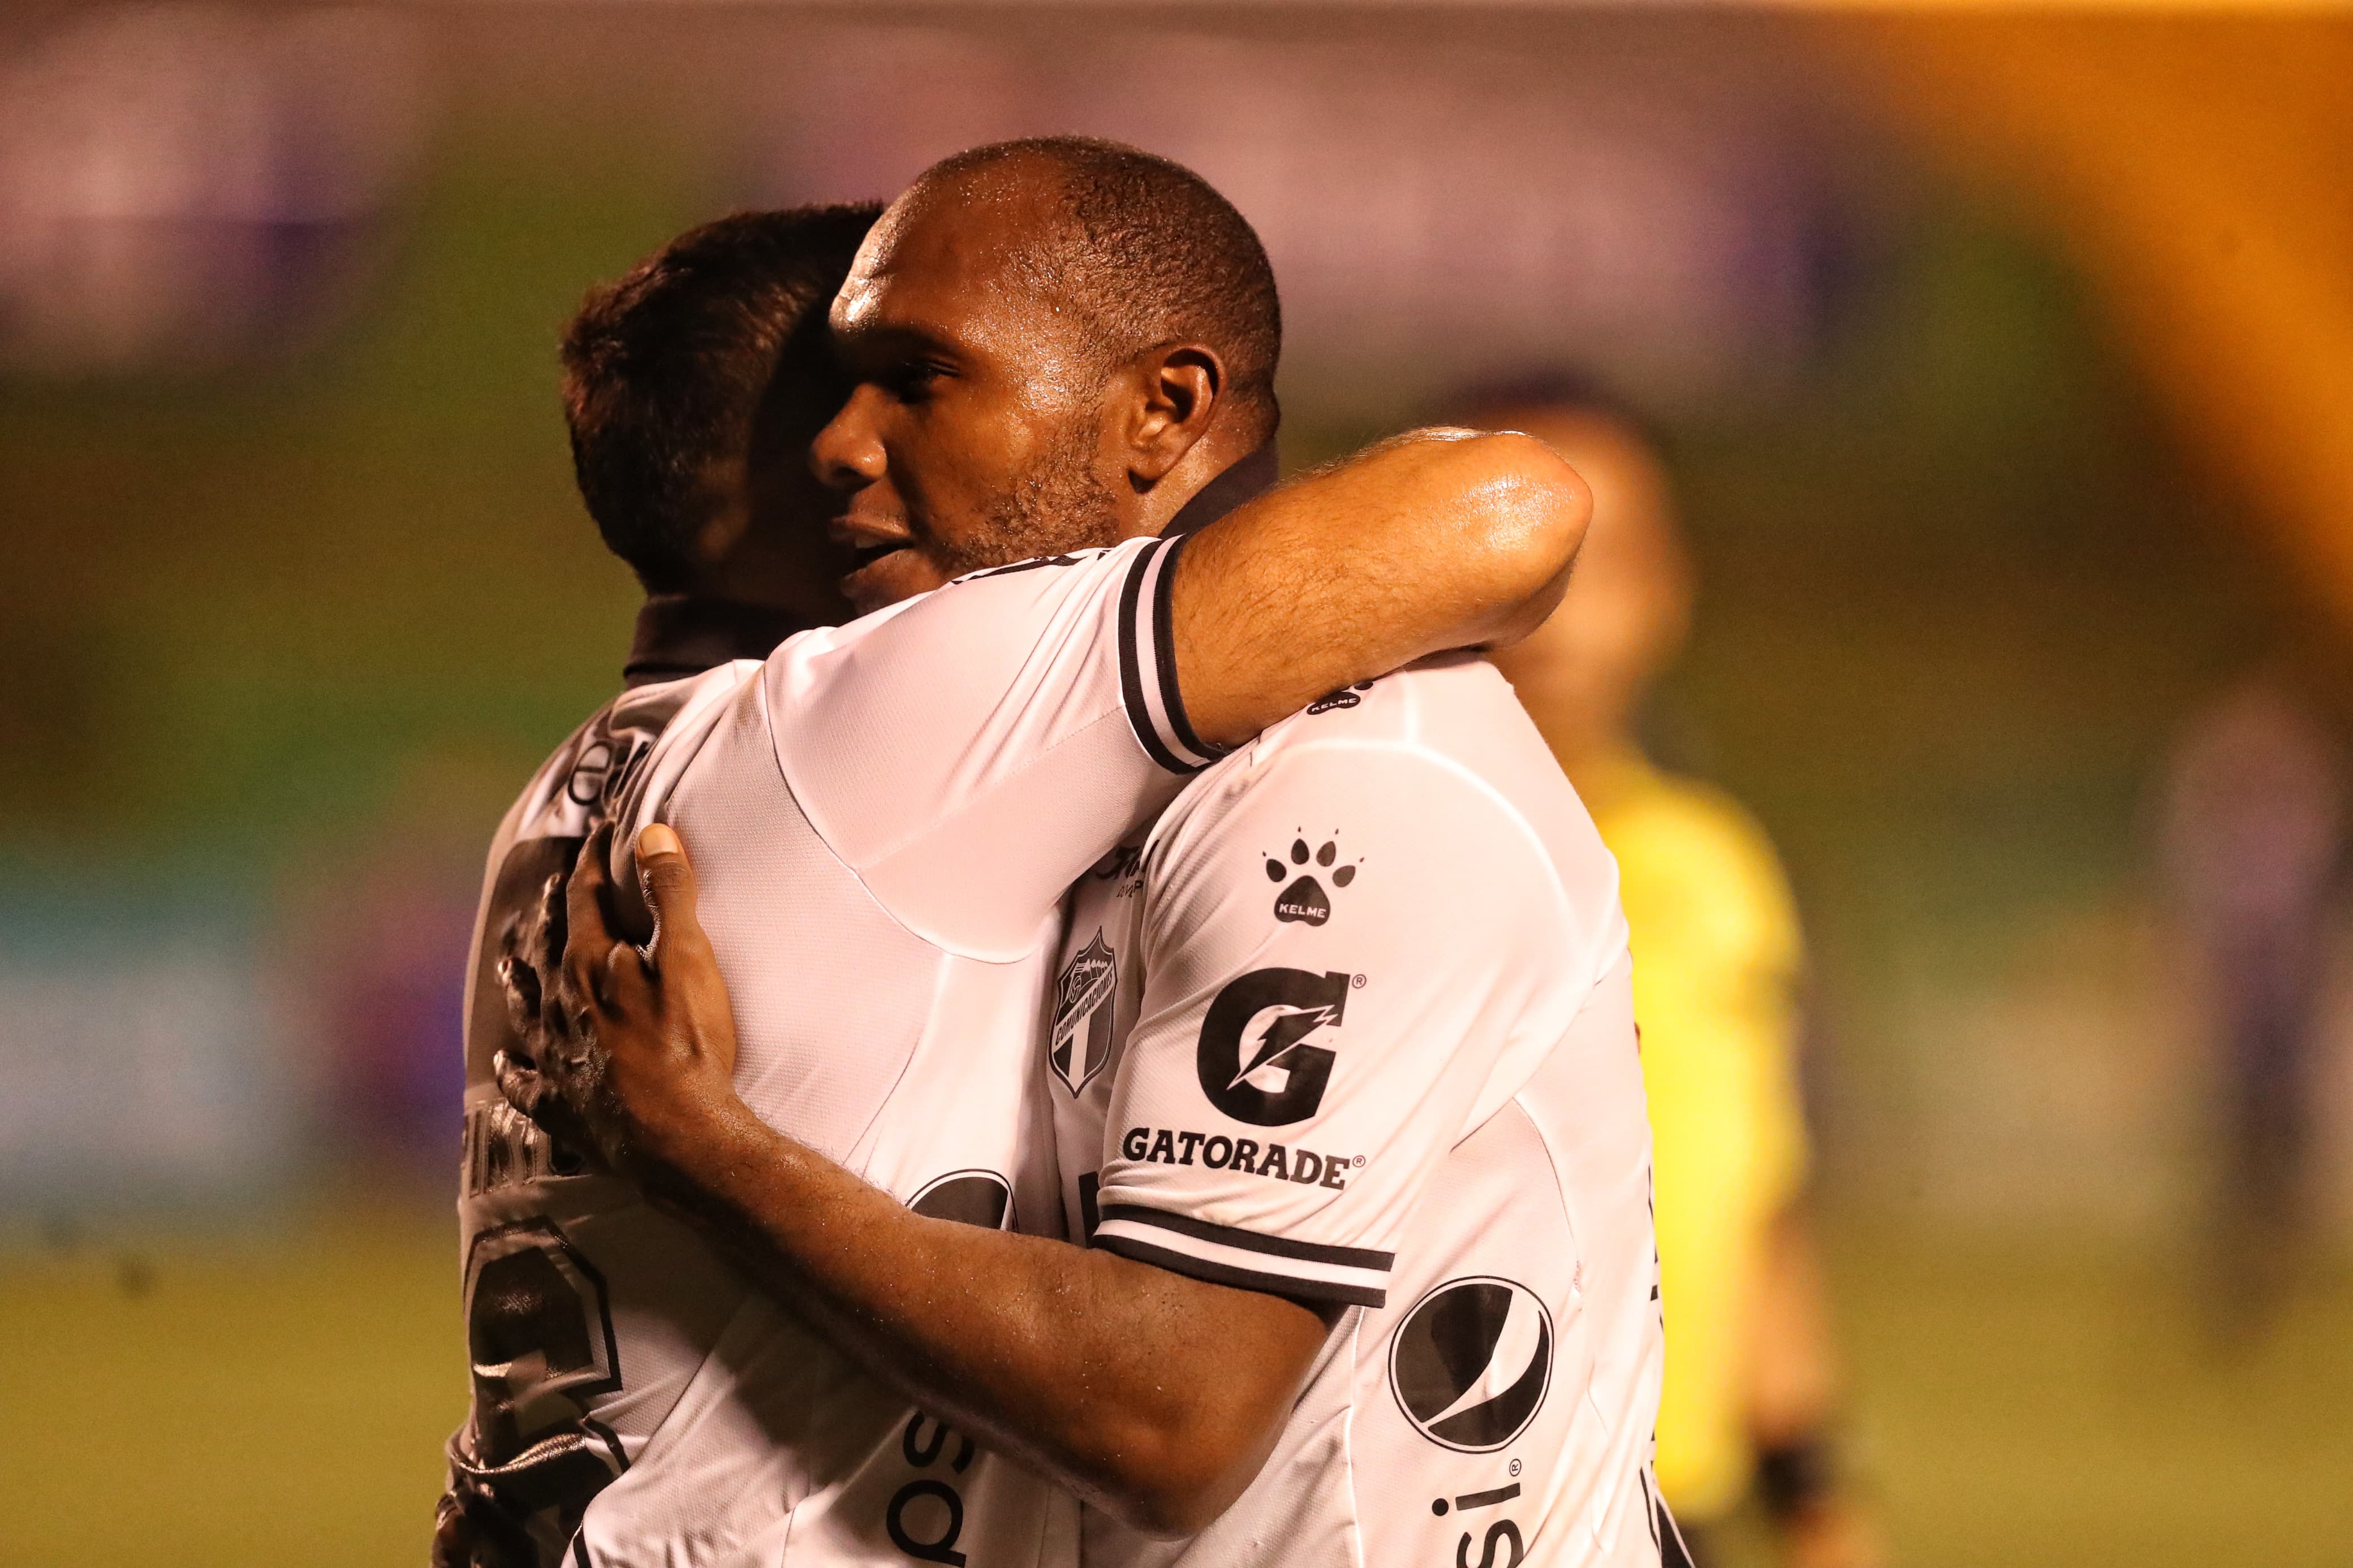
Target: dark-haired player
(1341,1050)
(692,385)
(887,813)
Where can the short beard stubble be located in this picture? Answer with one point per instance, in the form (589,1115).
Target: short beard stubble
(1058,506)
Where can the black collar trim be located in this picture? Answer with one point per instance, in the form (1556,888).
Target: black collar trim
(1250,478)
(680,634)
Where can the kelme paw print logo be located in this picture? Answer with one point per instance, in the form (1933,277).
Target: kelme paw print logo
(1304,900)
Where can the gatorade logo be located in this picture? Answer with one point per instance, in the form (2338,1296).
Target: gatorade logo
(1260,1057)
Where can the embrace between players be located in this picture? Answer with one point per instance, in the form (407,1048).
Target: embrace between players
(1122,1053)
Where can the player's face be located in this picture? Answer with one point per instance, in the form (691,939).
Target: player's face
(973,434)
(779,523)
(1628,600)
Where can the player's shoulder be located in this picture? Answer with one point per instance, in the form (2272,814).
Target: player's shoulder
(604,767)
(1439,758)
(1450,723)
(951,657)
(669,715)
(1450,708)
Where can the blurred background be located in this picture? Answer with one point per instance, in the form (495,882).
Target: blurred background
(2004,366)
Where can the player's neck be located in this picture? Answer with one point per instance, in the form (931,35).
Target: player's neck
(810,603)
(1218,475)
(682,635)
(758,574)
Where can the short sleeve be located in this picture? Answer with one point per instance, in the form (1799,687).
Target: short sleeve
(970,753)
(1350,951)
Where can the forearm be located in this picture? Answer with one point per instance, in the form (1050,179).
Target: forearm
(1091,1369)
(1152,1393)
(1431,542)
(1793,1370)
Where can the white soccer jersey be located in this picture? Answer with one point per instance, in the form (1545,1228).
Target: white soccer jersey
(1352,1024)
(883,818)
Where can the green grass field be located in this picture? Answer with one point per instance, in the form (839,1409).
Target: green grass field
(283,1401)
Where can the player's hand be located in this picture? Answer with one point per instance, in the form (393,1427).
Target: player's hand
(1833,1533)
(462,1540)
(453,1535)
(634,1049)
(531,951)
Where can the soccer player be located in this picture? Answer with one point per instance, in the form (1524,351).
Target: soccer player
(888,813)
(1348,1105)
(1750,1372)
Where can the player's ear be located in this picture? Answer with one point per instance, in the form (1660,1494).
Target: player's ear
(1173,395)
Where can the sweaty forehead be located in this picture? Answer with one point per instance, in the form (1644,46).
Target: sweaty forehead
(967,253)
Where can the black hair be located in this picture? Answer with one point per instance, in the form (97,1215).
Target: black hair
(666,366)
(1152,254)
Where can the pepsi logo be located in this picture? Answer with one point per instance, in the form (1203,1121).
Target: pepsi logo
(1472,1362)
(968,1198)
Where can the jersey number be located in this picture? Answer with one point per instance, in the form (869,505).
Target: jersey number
(540,1331)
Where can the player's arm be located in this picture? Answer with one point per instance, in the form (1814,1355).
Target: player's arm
(971,753)
(1431,540)
(1152,1395)
(1793,1399)
(1135,1372)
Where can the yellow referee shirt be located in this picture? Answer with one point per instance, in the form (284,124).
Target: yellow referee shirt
(1716,953)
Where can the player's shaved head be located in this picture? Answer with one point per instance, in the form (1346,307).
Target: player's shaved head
(1140,248)
(1054,343)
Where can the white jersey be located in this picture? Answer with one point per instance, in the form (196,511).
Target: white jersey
(1352,1023)
(883,819)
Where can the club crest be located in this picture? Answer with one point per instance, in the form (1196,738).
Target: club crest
(1079,1042)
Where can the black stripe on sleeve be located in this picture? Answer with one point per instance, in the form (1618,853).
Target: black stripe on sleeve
(1243,1279)
(1250,1240)
(1164,647)
(1130,677)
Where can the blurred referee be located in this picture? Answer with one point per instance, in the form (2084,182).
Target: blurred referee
(1750,1372)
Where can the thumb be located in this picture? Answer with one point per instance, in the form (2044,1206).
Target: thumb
(521,1084)
(666,876)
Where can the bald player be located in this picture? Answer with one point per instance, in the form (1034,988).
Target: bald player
(1063,347)
(1749,1372)
(1345,1101)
